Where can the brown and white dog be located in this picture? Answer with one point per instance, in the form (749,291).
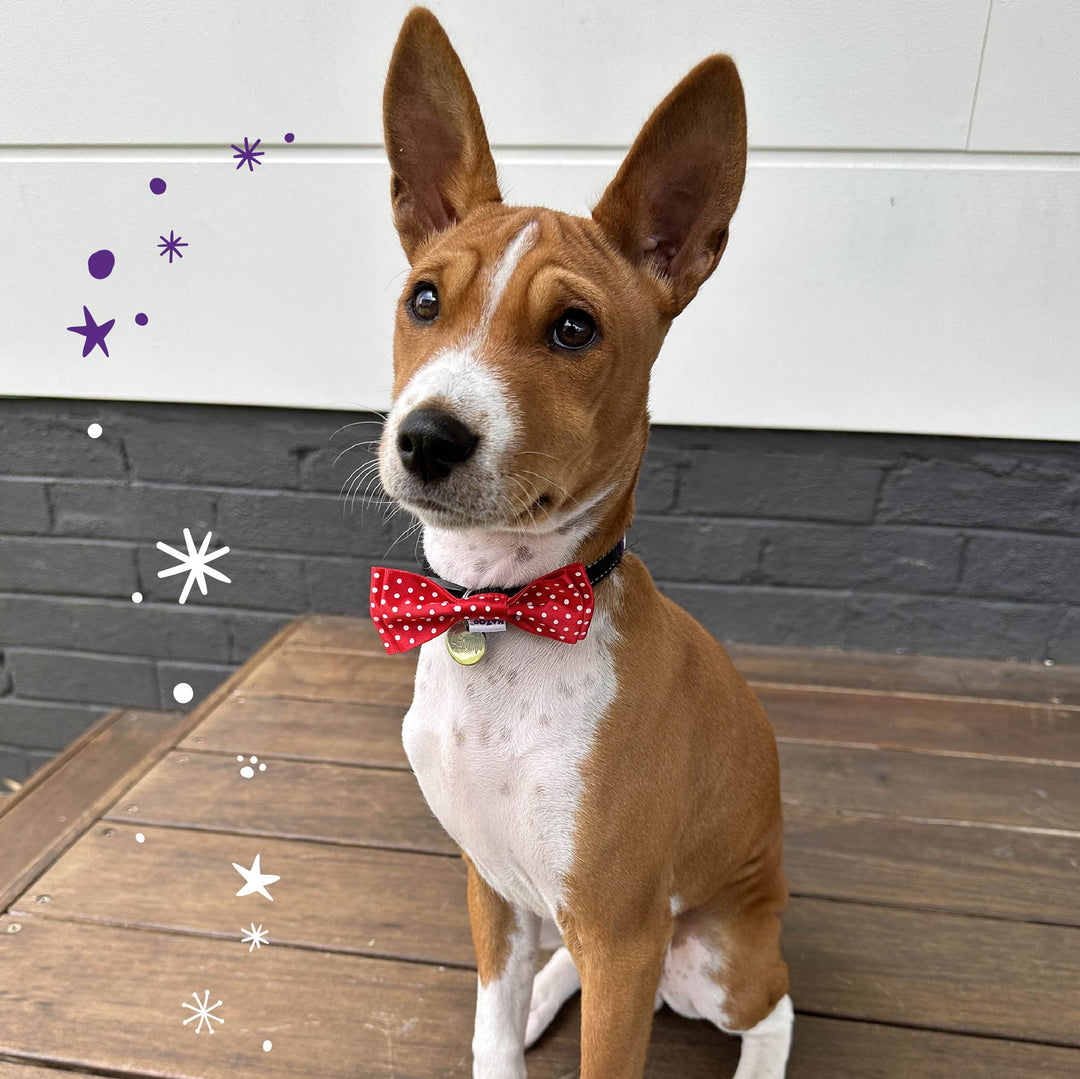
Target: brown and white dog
(624,787)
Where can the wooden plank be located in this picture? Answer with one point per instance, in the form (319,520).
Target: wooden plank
(341,675)
(381,807)
(291,799)
(944,676)
(370,902)
(39,821)
(337,634)
(1030,877)
(378,1018)
(27,1071)
(408,905)
(371,734)
(926,787)
(942,971)
(1022,732)
(304,730)
(333,676)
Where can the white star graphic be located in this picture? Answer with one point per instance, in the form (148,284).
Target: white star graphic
(194,562)
(255,937)
(256,880)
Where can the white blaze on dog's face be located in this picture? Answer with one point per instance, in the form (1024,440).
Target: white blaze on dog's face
(524,336)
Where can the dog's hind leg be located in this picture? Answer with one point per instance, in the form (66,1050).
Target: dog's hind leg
(765,1047)
(552,987)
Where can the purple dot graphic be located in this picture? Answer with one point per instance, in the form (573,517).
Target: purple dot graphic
(101,263)
(157,185)
(289,136)
(141,319)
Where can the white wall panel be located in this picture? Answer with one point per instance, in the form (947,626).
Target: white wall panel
(929,293)
(1029,89)
(819,73)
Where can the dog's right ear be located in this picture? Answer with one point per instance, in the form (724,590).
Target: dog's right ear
(440,161)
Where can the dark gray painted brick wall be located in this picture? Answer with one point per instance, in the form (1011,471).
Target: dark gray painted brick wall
(888,543)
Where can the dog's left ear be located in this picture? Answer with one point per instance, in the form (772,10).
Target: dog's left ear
(440,162)
(669,205)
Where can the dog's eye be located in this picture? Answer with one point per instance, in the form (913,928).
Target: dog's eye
(424,302)
(573,329)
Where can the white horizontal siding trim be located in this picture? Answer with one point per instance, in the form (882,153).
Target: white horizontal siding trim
(882,292)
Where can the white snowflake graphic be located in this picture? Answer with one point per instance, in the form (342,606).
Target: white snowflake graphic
(203,1012)
(195,562)
(256,937)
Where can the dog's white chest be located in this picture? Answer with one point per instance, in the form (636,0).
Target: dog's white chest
(498,747)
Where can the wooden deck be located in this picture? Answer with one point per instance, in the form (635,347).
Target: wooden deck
(933,848)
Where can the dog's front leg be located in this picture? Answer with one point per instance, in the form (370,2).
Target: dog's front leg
(505,937)
(620,967)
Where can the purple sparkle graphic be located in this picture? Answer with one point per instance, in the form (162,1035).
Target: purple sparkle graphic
(101,263)
(94,334)
(172,245)
(140,318)
(157,185)
(289,136)
(248,155)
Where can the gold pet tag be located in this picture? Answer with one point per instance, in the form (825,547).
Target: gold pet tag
(465,647)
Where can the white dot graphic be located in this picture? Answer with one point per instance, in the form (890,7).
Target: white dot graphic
(182,693)
(94,430)
(247,771)
(136,597)
(140,838)
(267,1045)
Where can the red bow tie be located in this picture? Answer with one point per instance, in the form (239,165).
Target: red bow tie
(409,609)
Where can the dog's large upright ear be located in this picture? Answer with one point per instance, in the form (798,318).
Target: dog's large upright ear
(440,162)
(669,205)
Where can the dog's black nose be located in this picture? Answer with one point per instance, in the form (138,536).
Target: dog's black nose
(431,442)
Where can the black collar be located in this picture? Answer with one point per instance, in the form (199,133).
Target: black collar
(596,572)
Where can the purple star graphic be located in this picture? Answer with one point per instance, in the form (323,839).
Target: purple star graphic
(94,334)
(248,155)
(172,245)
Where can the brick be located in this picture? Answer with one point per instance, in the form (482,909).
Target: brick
(304,524)
(44,724)
(886,559)
(165,631)
(265,582)
(66,567)
(949,626)
(203,679)
(341,586)
(822,488)
(50,439)
(248,632)
(244,447)
(1064,646)
(326,465)
(131,511)
(23,506)
(19,765)
(762,615)
(657,483)
(693,549)
(985,491)
(76,676)
(1016,566)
